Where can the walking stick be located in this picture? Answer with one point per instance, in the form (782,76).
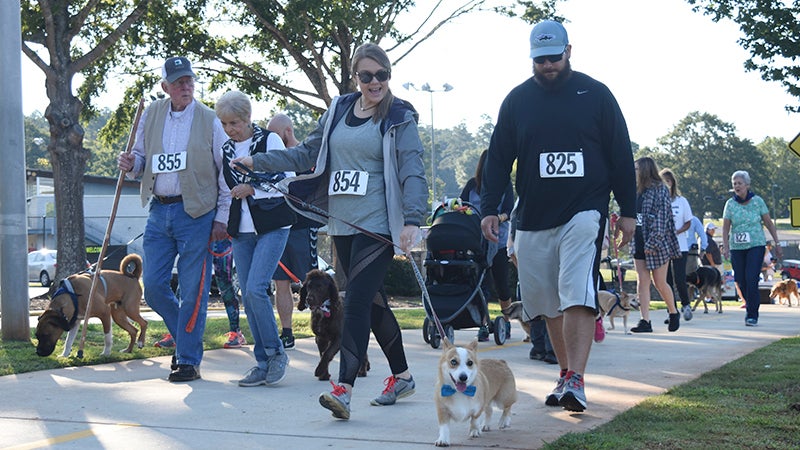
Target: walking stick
(107,238)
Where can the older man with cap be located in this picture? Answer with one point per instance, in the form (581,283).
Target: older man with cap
(177,153)
(571,144)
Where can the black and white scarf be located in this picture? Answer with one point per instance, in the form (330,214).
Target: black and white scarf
(229,154)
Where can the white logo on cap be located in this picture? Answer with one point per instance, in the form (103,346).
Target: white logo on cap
(178,62)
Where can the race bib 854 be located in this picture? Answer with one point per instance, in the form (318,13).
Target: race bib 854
(352,182)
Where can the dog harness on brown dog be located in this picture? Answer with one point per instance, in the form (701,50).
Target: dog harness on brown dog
(616,304)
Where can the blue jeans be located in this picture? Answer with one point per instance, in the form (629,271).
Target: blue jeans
(256,257)
(746,270)
(170,232)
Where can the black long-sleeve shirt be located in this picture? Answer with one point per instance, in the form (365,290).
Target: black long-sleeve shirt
(547,132)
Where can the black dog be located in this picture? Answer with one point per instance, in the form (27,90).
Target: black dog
(708,281)
(320,294)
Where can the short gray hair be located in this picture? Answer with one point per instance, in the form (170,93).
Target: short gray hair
(741,174)
(234,103)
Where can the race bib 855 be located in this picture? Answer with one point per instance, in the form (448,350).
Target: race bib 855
(169,162)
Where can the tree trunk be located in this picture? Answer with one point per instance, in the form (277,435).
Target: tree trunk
(68,158)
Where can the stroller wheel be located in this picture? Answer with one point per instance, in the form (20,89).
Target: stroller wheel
(500,330)
(450,333)
(436,340)
(426,331)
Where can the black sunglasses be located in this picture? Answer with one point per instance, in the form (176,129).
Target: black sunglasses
(551,58)
(366,77)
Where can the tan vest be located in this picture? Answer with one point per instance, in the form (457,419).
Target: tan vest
(199,179)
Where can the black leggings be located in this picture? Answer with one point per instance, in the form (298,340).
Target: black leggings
(365,262)
(499,274)
(676,278)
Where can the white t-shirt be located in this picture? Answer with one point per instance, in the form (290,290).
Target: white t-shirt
(682,213)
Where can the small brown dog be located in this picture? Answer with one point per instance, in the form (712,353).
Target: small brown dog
(117,295)
(320,294)
(467,388)
(708,282)
(783,291)
(614,305)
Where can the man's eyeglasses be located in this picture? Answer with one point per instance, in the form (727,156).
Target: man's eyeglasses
(551,58)
(366,77)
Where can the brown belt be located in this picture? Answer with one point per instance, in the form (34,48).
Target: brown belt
(166,200)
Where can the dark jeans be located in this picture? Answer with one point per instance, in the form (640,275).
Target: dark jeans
(746,270)
(539,337)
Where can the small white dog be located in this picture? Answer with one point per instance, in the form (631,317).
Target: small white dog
(467,389)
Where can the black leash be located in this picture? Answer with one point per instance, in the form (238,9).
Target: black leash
(264,181)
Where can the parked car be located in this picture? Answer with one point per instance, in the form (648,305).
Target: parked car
(790,268)
(42,266)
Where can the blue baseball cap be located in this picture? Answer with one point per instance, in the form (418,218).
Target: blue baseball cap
(548,38)
(176,67)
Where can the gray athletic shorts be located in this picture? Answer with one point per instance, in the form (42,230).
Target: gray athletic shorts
(558,268)
(300,254)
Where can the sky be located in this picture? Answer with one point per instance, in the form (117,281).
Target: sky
(660,60)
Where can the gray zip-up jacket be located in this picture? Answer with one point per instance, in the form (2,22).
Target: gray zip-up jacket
(404,174)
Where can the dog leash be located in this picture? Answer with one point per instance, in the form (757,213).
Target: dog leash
(262,179)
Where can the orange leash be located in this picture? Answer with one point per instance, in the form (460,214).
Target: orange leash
(193,320)
(289,272)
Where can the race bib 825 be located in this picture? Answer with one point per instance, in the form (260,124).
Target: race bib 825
(561,165)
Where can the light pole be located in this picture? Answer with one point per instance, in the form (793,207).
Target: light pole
(774,215)
(427,88)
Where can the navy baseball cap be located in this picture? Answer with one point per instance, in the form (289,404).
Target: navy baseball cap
(176,67)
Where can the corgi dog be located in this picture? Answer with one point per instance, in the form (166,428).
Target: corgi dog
(467,389)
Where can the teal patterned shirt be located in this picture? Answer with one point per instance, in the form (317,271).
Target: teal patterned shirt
(747,229)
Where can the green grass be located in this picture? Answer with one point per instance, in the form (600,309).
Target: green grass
(19,357)
(750,403)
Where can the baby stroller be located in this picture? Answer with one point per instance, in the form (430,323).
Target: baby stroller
(455,266)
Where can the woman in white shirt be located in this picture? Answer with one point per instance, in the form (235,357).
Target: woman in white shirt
(682,214)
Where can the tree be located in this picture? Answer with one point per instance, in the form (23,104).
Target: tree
(781,179)
(771,34)
(64,38)
(703,152)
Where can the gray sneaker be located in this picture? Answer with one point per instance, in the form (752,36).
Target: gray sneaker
(573,397)
(254,377)
(687,312)
(553,398)
(276,368)
(336,401)
(395,388)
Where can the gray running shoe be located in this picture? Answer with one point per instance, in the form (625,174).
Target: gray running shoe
(254,377)
(573,398)
(337,401)
(395,388)
(276,368)
(553,397)
(687,312)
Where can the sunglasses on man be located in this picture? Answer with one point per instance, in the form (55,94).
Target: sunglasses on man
(551,58)
(366,77)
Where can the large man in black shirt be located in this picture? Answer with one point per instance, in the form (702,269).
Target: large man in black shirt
(571,144)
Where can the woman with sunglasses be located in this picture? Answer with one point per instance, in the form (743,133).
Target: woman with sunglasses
(367,154)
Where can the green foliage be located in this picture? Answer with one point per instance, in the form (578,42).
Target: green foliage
(400,279)
(757,393)
(781,182)
(771,31)
(37,136)
(703,151)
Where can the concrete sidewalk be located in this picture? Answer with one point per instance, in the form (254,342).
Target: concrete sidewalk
(131,405)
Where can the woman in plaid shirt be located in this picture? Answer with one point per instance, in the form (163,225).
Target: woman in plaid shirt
(654,243)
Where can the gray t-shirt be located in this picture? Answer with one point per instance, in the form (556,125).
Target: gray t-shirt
(357,149)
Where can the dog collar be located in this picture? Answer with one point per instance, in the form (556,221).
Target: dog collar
(448,390)
(325,307)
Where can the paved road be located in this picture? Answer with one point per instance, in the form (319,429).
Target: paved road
(131,405)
